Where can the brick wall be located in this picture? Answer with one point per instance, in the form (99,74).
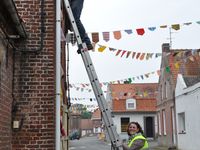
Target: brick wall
(6,76)
(35,79)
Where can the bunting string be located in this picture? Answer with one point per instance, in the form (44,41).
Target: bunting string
(117,34)
(129,53)
(182,56)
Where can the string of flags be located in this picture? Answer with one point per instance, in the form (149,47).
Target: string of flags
(81,107)
(139,31)
(181,56)
(87,87)
(129,53)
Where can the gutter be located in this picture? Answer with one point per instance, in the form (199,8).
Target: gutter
(10,5)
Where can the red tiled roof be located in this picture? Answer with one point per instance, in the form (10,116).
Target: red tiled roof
(144,102)
(96,115)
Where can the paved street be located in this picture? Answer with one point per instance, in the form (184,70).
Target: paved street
(91,143)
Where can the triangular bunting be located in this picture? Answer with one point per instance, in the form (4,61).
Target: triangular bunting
(142,56)
(118,52)
(124,51)
(133,54)
(101,48)
(128,53)
(138,55)
(129,31)
(112,49)
(152,28)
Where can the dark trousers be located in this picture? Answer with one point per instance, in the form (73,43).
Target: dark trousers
(77,6)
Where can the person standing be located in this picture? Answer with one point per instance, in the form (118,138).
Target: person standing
(77,6)
(137,140)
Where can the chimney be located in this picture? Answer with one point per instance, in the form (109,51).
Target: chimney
(165,47)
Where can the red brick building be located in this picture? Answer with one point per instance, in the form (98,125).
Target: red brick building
(27,69)
(174,61)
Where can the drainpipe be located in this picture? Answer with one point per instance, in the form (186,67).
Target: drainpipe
(58,63)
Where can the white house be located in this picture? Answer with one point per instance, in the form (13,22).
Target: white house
(187,100)
(134,102)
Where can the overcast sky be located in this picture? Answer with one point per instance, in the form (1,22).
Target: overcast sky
(111,15)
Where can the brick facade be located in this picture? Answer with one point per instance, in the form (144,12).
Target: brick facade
(35,79)
(28,81)
(6,100)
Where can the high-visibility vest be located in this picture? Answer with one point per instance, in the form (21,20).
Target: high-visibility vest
(141,137)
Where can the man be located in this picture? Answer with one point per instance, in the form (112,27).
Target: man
(77,6)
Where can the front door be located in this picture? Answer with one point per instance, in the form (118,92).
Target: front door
(149,127)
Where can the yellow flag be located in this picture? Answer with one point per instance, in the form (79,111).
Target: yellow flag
(176,26)
(145,94)
(177,65)
(101,48)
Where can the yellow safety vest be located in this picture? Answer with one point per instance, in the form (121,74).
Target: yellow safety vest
(146,145)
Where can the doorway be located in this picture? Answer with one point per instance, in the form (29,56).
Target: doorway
(149,127)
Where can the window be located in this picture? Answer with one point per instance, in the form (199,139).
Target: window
(164,122)
(159,123)
(181,122)
(124,124)
(131,103)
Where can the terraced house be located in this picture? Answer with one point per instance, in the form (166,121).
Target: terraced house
(174,61)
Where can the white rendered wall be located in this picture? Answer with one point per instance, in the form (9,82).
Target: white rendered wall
(133,117)
(188,101)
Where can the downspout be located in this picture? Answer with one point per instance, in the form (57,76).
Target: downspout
(58,62)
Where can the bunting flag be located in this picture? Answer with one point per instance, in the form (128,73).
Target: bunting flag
(101,48)
(198,22)
(133,54)
(117,35)
(128,53)
(152,28)
(95,37)
(163,26)
(112,49)
(118,52)
(176,26)
(106,36)
(140,31)
(142,56)
(124,51)
(129,31)
(138,55)
(167,69)
(187,23)
(177,65)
